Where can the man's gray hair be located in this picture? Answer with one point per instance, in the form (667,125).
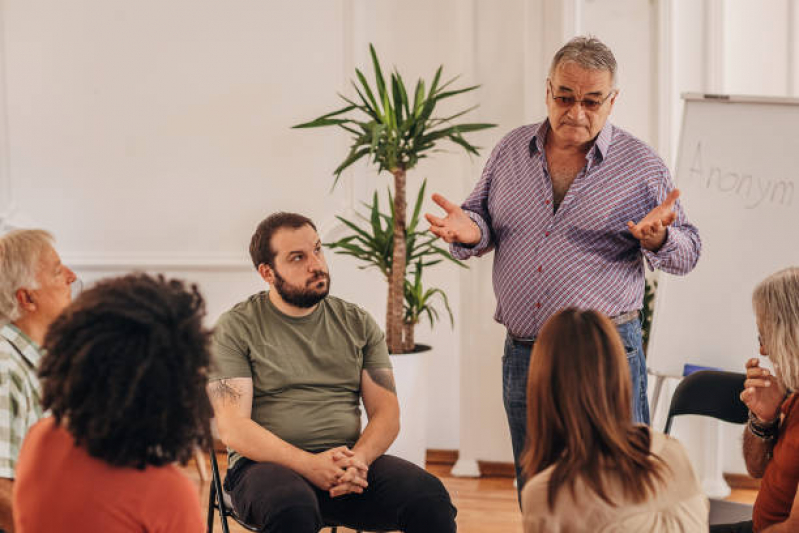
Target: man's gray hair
(20,252)
(587,52)
(776,304)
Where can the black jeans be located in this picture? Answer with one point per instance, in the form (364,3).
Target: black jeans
(400,496)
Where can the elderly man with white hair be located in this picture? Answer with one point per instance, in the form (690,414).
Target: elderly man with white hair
(34,289)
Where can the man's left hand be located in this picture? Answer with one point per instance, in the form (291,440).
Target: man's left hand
(353,481)
(651,230)
(354,478)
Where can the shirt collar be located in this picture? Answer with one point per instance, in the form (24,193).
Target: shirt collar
(23,344)
(599,149)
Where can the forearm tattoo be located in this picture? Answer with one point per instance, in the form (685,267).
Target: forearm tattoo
(383,377)
(222,390)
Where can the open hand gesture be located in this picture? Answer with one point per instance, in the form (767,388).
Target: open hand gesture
(456,226)
(651,230)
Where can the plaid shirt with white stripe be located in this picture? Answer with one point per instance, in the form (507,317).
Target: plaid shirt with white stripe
(583,255)
(20,405)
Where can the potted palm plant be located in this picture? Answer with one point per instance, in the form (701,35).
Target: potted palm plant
(394,132)
(372,242)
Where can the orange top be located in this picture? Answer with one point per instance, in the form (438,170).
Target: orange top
(60,487)
(778,488)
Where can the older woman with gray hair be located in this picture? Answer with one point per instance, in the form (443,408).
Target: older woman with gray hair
(34,289)
(771,438)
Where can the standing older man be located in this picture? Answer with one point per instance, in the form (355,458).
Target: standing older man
(556,202)
(34,289)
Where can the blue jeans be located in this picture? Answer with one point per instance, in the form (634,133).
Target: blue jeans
(516,366)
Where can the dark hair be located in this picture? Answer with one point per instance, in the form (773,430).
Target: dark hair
(125,371)
(261,250)
(579,410)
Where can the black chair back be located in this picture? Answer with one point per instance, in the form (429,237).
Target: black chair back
(712,393)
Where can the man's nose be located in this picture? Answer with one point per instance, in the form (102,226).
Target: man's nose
(315,263)
(576,111)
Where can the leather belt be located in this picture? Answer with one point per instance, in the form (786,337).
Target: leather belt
(617,320)
(624,318)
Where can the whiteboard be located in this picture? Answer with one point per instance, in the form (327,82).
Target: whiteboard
(737,168)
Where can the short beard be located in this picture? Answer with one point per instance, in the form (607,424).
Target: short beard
(302,297)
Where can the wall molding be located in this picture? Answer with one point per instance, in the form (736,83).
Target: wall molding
(713,44)
(792,43)
(664,87)
(201,261)
(6,197)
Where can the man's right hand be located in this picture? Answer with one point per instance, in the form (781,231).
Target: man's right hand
(325,469)
(456,226)
(763,394)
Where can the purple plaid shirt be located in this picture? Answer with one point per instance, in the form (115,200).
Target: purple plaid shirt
(583,255)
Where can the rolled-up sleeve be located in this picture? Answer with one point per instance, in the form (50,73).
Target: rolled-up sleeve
(682,247)
(476,207)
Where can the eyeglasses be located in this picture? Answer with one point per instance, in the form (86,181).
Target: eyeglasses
(589,104)
(76,287)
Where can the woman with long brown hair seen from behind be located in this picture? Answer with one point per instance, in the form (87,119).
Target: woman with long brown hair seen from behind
(589,467)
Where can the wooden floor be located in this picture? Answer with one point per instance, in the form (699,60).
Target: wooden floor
(485,505)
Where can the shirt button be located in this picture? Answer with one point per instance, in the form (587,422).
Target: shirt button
(547,202)
(540,269)
(538,305)
(546,234)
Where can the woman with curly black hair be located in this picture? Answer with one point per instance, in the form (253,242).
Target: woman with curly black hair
(124,378)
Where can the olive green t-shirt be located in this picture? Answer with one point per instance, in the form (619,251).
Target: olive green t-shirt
(306,371)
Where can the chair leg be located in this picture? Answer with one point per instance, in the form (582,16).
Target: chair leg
(211,508)
(216,493)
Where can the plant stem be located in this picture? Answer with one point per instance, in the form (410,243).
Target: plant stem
(396,284)
(407,341)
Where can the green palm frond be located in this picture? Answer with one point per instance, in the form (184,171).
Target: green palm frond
(372,241)
(392,130)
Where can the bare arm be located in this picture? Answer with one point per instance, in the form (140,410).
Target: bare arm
(757,454)
(382,409)
(232,402)
(791,524)
(6,515)
(763,395)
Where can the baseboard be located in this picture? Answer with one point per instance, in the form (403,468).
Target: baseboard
(441,457)
(496,469)
(504,469)
(742,482)
(487,468)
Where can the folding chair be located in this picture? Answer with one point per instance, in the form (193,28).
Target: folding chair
(219,501)
(712,393)
(716,394)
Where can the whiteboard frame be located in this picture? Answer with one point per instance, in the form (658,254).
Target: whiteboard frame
(733,98)
(656,366)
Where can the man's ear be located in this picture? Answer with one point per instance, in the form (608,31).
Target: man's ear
(266,273)
(25,300)
(613,98)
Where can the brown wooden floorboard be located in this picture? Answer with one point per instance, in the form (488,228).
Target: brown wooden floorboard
(485,505)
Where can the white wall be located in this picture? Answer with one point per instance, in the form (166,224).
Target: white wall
(155,135)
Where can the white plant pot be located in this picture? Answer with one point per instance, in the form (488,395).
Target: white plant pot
(411,378)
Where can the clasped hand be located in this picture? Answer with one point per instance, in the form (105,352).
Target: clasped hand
(339,471)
